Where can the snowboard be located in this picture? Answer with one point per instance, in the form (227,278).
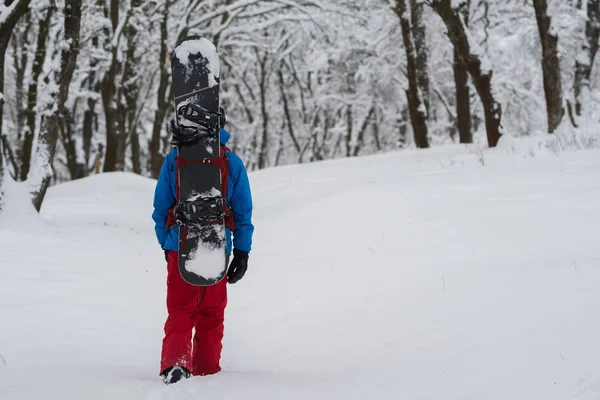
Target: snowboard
(195,70)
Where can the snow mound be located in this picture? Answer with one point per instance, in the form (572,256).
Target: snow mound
(17,210)
(115,198)
(453,273)
(103,184)
(566,139)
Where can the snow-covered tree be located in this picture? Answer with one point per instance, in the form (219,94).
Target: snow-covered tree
(57,93)
(479,65)
(550,65)
(302,80)
(462,89)
(11,12)
(412,28)
(585,59)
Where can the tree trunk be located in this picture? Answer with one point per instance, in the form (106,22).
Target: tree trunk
(109,91)
(361,132)
(463,95)
(156,158)
(480,72)
(286,109)
(110,117)
(264,143)
(93,85)
(4,39)
(349,129)
(20,45)
(46,145)
(130,78)
(90,117)
(376,120)
(121,114)
(136,164)
(417,108)
(76,170)
(403,127)
(11,15)
(422,55)
(550,66)
(36,70)
(14,11)
(585,62)
(463,100)
(131,90)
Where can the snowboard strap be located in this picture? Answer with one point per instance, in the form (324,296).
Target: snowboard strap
(222,163)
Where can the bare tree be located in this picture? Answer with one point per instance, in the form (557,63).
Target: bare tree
(118,85)
(109,90)
(286,108)
(19,43)
(550,65)
(589,48)
(263,84)
(298,85)
(12,11)
(92,87)
(480,68)
(461,80)
(156,158)
(368,120)
(46,146)
(416,104)
(419,32)
(36,70)
(129,89)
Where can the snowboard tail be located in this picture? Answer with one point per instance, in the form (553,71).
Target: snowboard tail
(200,204)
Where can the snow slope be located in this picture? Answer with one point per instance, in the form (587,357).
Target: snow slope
(449,273)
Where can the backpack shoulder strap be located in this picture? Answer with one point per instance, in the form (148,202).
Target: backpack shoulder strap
(229,222)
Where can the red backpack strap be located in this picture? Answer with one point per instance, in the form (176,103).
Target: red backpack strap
(229,222)
(171,222)
(222,163)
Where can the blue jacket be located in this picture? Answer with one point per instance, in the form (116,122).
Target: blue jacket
(238,193)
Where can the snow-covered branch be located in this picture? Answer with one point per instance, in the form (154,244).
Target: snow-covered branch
(301,80)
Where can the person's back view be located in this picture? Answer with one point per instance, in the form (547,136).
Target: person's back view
(195,307)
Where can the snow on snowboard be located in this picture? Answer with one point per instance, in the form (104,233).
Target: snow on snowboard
(201,206)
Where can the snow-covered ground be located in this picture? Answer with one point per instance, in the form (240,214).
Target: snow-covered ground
(439,274)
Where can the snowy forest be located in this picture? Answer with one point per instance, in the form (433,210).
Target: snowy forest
(85,85)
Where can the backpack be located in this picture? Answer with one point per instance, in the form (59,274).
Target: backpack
(220,162)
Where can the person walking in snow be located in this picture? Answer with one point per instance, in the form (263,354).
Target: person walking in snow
(193,307)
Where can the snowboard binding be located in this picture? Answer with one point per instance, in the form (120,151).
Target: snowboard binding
(202,211)
(194,123)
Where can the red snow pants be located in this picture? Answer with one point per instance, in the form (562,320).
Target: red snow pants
(193,308)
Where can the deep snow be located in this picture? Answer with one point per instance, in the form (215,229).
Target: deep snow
(446,274)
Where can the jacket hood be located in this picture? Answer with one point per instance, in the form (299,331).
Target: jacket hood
(224,136)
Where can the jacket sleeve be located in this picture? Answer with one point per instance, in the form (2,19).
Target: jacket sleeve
(241,203)
(163,201)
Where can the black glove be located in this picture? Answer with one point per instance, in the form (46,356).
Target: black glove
(166,255)
(238,266)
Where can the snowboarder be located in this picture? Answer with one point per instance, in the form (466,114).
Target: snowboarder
(196,307)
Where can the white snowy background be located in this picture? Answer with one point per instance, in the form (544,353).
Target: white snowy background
(301,80)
